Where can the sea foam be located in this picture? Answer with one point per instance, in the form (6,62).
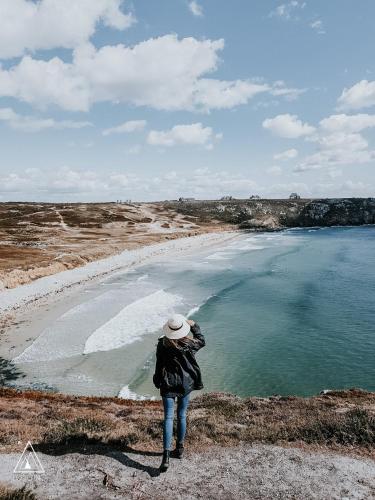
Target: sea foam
(220,256)
(126,393)
(146,315)
(65,337)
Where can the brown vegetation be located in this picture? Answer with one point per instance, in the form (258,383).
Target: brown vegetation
(343,420)
(7,493)
(39,239)
(271,214)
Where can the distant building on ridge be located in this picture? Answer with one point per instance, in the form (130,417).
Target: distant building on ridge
(294,196)
(186,199)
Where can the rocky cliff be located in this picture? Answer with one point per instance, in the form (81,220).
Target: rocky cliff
(278,214)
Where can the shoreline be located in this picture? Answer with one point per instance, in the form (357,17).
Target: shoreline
(43,312)
(9,302)
(16,300)
(25,309)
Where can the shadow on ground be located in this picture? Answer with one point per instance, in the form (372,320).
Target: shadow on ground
(87,446)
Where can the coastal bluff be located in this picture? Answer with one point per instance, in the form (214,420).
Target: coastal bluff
(277,447)
(275,214)
(43,239)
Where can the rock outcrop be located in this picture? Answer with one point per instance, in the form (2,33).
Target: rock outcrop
(272,215)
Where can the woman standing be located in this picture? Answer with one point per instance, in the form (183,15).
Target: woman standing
(177,374)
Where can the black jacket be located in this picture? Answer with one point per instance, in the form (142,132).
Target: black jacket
(177,372)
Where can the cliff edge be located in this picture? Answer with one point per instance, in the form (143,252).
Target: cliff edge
(278,214)
(264,448)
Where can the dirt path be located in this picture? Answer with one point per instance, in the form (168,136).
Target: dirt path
(39,240)
(257,472)
(62,222)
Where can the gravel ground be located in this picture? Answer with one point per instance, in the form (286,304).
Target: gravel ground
(256,472)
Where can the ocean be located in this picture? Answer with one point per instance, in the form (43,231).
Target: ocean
(289,313)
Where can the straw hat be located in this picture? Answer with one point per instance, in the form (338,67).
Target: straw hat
(176,327)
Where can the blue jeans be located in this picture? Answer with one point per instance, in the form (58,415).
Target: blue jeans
(182,404)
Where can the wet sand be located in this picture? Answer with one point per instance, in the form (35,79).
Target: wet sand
(32,308)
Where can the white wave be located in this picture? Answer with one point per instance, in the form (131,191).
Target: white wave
(275,236)
(196,308)
(220,256)
(16,297)
(111,283)
(251,247)
(143,277)
(65,337)
(126,393)
(126,283)
(145,315)
(193,310)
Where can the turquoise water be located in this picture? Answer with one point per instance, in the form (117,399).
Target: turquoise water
(291,312)
(294,317)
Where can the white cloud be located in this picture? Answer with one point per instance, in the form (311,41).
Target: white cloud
(339,148)
(284,189)
(46,24)
(274,170)
(288,126)
(360,95)
(207,183)
(279,88)
(136,75)
(68,184)
(343,141)
(67,180)
(288,11)
(333,173)
(348,123)
(46,82)
(164,73)
(57,181)
(196,8)
(72,184)
(317,26)
(291,11)
(184,134)
(134,150)
(120,180)
(127,127)
(220,94)
(32,124)
(289,154)
(358,188)
(339,142)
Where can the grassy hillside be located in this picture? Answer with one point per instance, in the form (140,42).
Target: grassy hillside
(54,423)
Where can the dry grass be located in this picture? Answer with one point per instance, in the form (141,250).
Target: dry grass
(7,493)
(56,423)
(39,239)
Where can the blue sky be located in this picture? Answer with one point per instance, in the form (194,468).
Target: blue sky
(108,99)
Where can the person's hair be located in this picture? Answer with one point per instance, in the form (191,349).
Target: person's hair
(178,343)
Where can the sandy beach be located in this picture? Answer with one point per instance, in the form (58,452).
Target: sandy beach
(15,298)
(39,318)
(41,239)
